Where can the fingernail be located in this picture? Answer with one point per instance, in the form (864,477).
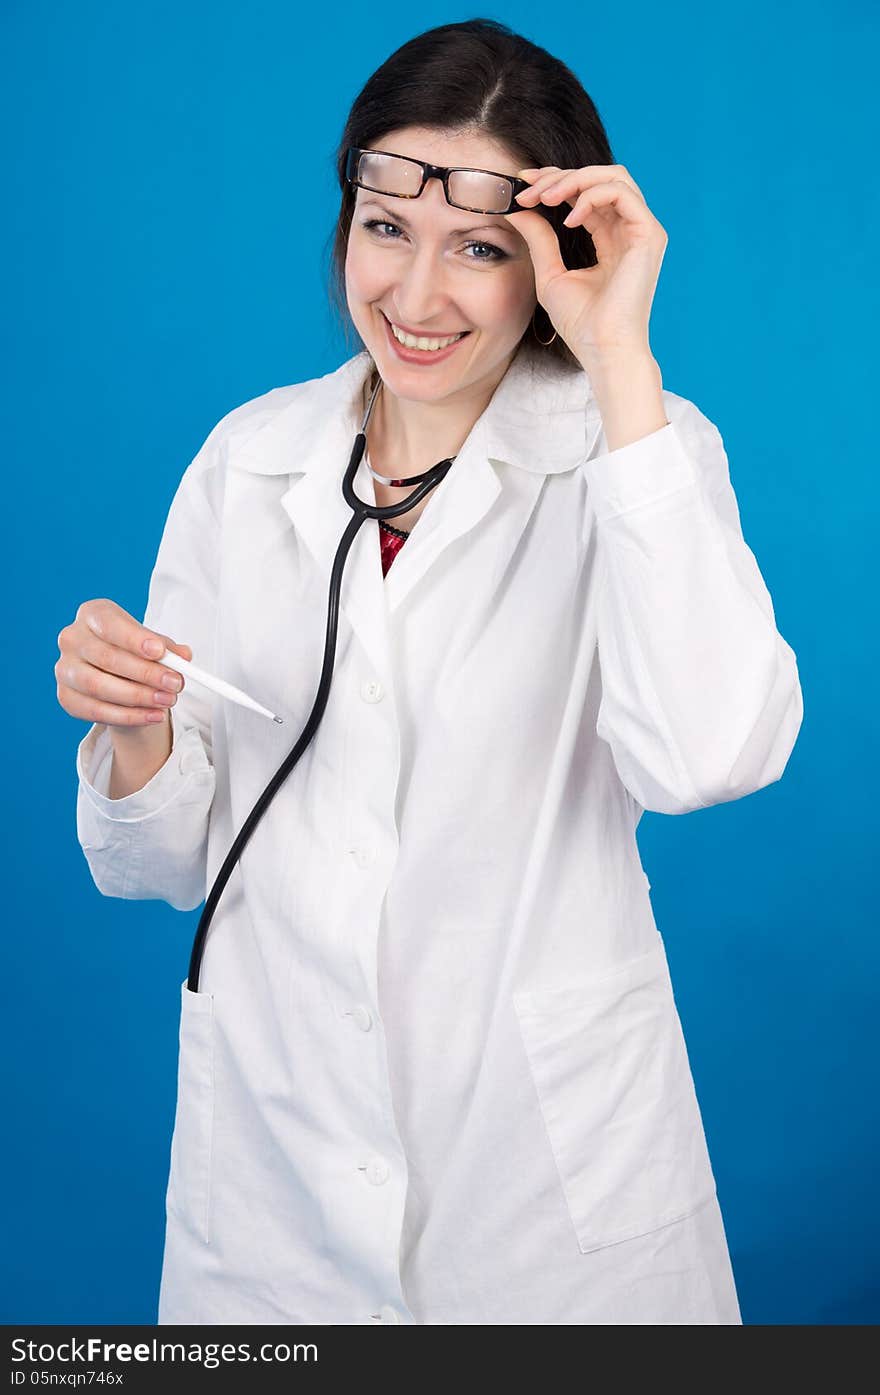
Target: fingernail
(172,681)
(153,647)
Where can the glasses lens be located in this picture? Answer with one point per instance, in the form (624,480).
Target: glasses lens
(476,190)
(479,191)
(389,174)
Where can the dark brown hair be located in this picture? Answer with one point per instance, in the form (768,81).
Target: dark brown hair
(478,75)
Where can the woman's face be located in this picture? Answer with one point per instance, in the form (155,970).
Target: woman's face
(434,270)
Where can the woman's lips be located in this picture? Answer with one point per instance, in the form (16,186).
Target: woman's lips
(423,356)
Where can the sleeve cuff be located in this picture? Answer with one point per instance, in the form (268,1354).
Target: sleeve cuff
(640,473)
(94,757)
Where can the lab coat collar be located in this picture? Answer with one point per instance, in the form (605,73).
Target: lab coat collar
(542,417)
(540,420)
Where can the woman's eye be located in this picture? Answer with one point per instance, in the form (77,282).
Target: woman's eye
(374,225)
(496,252)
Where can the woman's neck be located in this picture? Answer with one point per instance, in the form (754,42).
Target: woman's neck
(406,438)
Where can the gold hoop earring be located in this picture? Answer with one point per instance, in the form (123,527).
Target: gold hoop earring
(542,342)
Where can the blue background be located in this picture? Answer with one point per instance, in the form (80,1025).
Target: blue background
(170,185)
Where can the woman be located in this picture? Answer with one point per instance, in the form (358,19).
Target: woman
(434,1071)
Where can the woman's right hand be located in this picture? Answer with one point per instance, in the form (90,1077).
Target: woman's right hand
(104,674)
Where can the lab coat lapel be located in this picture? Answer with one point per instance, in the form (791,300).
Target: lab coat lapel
(311,439)
(540,419)
(315,505)
(455,506)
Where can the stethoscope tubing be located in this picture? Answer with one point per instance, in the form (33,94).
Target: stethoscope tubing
(361,511)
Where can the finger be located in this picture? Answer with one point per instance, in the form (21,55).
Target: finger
(554,190)
(543,245)
(537,170)
(568,188)
(616,195)
(541,181)
(83,678)
(115,627)
(580,212)
(604,173)
(91,711)
(109,621)
(122,663)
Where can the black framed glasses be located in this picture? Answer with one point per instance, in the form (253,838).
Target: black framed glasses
(477,191)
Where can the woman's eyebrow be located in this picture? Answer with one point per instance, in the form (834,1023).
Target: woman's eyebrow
(456,232)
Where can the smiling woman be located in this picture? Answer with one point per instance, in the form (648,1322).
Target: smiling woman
(457,119)
(430,275)
(426,244)
(432,1071)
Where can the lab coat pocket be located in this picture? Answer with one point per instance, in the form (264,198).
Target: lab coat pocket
(614,1084)
(189,1183)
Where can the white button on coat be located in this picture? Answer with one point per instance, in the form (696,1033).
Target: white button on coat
(362,1017)
(568,637)
(376,1171)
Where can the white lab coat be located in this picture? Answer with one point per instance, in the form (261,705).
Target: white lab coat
(435,1072)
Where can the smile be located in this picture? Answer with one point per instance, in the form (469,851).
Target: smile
(421,348)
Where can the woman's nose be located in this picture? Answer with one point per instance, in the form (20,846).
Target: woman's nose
(421,297)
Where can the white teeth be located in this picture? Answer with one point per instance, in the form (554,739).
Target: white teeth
(412,342)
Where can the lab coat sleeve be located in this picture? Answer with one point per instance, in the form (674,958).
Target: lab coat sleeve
(701,700)
(152,844)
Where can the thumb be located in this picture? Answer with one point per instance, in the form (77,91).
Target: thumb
(183,650)
(543,245)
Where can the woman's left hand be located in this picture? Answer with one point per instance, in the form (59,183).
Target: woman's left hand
(605,308)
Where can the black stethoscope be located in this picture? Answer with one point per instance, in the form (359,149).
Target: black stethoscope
(360,513)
